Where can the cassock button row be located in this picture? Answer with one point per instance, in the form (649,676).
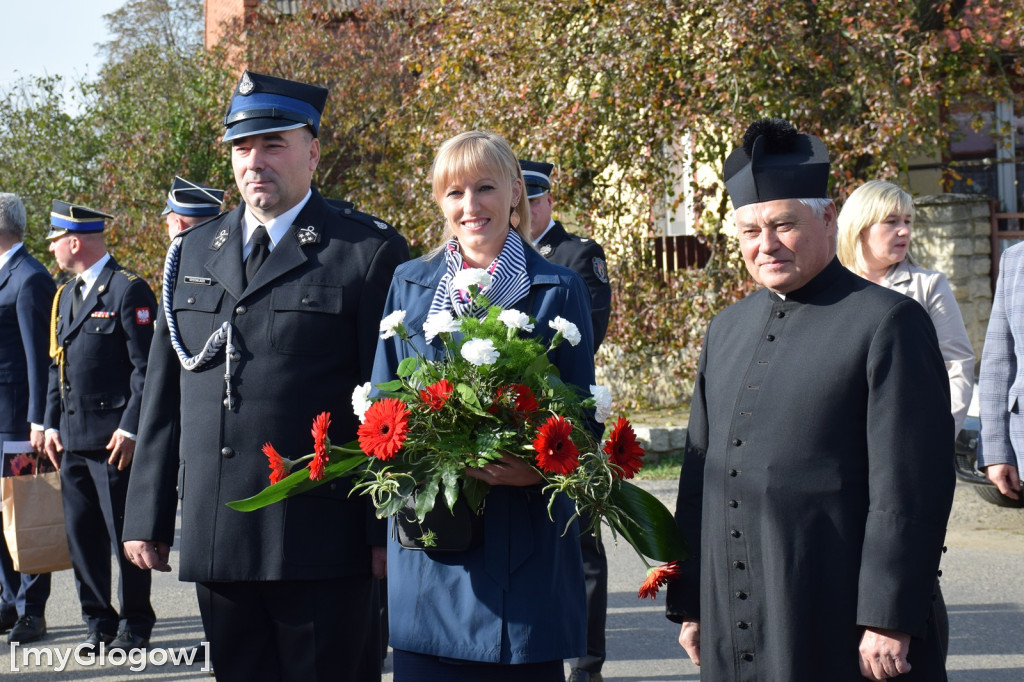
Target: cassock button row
(227,452)
(240,310)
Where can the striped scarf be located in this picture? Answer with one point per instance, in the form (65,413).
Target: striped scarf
(509,280)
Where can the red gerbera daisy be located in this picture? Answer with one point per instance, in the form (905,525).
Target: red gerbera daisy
(278,469)
(556,453)
(385,428)
(658,577)
(436,395)
(320,444)
(623,449)
(523,402)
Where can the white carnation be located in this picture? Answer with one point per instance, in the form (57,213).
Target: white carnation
(465,278)
(361,401)
(602,402)
(390,324)
(480,352)
(567,329)
(514,319)
(439,323)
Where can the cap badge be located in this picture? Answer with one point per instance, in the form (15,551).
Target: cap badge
(381,224)
(246,86)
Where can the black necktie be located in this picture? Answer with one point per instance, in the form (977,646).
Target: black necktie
(76,298)
(258,254)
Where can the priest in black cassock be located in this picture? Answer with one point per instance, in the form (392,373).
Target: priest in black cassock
(818,477)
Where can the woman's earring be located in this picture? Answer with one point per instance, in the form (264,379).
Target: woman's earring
(514,217)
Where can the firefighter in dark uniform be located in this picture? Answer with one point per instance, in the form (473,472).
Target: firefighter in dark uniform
(270,317)
(586,257)
(189,203)
(100,334)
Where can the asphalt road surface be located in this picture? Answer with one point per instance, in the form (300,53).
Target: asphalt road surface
(983,583)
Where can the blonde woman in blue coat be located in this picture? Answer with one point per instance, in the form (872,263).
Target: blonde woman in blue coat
(513,607)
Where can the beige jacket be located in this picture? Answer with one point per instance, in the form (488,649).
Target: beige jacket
(931,289)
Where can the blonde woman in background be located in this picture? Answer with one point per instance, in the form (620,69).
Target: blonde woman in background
(874,242)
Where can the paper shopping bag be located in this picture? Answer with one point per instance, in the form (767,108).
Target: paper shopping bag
(33,516)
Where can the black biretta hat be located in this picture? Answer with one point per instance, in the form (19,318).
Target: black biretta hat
(265,104)
(776,162)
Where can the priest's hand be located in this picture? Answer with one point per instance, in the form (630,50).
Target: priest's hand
(509,470)
(883,653)
(689,639)
(1006,478)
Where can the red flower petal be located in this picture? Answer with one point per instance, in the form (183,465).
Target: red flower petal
(436,395)
(658,577)
(519,397)
(556,453)
(320,442)
(278,469)
(385,429)
(623,449)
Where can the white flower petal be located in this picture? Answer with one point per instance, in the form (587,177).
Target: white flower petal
(602,402)
(361,401)
(389,325)
(569,331)
(513,319)
(469,276)
(480,352)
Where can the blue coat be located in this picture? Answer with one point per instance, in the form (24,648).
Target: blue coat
(26,293)
(520,597)
(1001,379)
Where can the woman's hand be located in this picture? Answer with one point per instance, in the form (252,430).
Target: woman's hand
(509,470)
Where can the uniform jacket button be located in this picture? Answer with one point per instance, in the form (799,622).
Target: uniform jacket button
(733,503)
(737,442)
(227,452)
(742,625)
(735,533)
(236,356)
(733,473)
(240,310)
(191,299)
(770,337)
(741,595)
(739,565)
(747,656)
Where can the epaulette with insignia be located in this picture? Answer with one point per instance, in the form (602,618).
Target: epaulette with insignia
(369,220)
(129,274)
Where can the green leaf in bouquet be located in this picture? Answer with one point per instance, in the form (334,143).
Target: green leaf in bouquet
(469,398)
(299,482)
(450,480)
(407,367)
(390,386)
(646,523)
(474,491)
(390,503)
(426,495)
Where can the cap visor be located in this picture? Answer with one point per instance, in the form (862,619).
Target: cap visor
(259,126)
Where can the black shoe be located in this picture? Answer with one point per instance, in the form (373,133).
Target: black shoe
(27,629)
(8,617)
(580,675)
(96,638)
(127,640)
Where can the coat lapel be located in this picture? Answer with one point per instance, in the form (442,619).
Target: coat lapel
(99,288)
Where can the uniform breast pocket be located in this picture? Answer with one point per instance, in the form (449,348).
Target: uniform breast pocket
(195,310)
(306,318)
(98,337)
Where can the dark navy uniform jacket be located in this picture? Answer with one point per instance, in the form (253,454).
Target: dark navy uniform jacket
(26,293)
(106,348)
(305,332)
(585,257)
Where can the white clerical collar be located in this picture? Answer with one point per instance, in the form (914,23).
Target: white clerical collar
(546,230)
(276,227)
(4,259)
(91,274)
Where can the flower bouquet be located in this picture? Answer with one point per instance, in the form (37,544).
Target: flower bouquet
(494,393)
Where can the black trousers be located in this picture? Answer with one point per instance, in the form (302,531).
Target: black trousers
(595,574)
(94,495)
(301,630)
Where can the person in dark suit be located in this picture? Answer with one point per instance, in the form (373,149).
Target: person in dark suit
(100,334)
(26,293)
(189,203)
(586,257)
(583,255)
(291,288)
(818,471)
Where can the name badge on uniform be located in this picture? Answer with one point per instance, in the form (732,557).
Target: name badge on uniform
(142,316)
(192,279)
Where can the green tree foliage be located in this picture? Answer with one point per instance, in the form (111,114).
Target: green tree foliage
(614,92)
